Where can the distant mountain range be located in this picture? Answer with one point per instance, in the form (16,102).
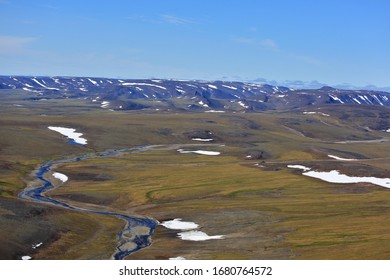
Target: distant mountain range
(316,85)
(186,95)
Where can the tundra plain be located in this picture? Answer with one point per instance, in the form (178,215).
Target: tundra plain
(246,193)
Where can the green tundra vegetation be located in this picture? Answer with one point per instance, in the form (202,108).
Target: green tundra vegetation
(264,209)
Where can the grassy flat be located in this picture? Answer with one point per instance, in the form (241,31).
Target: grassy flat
(263,209)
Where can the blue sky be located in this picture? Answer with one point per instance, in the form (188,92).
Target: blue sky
(329,41)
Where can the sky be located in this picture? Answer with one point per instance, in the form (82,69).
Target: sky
(333,42)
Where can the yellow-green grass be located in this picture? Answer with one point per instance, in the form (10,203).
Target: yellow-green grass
(83,236)
(63,234)
(263,214)
(287,215)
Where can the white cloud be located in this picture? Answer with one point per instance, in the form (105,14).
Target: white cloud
(13,44)
(263,43)
(175,20)
(50,7)
(141,18)
(269,43)
(307,59)
(163,18)
(244,40)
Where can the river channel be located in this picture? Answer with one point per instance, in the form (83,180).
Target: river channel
(130,240)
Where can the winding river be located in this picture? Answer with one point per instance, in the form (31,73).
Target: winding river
(137,231)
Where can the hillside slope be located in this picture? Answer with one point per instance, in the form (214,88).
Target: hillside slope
(186,95)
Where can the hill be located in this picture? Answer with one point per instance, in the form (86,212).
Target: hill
(186,95)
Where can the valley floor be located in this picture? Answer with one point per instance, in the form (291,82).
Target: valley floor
(236,186)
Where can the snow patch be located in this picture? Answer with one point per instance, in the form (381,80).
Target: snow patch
(336,98)
(196,235)
(366,98)
(377,99)
(202,139)
(42,85)
(179,258)
(334,176)
(362,98)
(60,176)
(304,168)
(70,133)
(93,82)
(203,104)
(143,84)
(339,158)
(31,90)
(319,113)
(35,246)
(200,152)
(214,111)
(243,104)
(357,101)
(188,231)
(179,224)
(230,87)
(105,104)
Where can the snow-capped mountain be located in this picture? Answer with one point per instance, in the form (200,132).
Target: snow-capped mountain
(187,95)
